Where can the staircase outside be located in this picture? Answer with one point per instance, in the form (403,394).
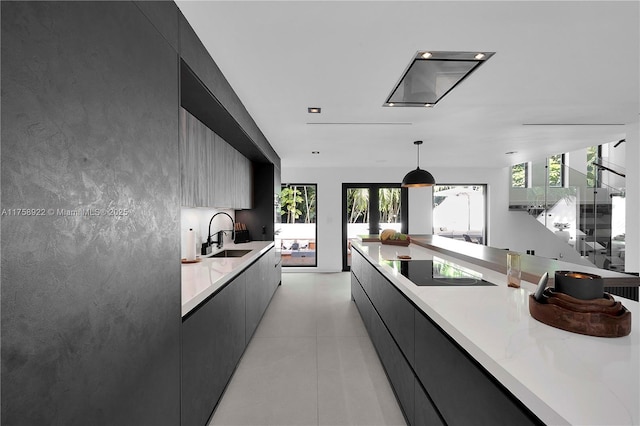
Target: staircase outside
(586,214)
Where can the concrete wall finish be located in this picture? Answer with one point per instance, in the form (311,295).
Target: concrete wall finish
(90,296)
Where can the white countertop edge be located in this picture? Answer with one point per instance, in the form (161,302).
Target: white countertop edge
(546,412)
(258,248)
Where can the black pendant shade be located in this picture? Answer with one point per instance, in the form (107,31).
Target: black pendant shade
(418,177)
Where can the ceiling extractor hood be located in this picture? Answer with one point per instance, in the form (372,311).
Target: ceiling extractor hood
(431,75)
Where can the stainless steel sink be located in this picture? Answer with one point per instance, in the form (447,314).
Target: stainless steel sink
(231,253)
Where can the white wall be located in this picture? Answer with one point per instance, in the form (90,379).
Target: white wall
(505,229)
(198,219)
(616,157)
(329,196)
(632,260)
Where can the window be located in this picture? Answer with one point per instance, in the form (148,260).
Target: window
(594,153)
(556,171)
(459,212)
(520,175)
(297,237)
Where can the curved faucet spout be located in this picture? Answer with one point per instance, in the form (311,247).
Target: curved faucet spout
(233,229)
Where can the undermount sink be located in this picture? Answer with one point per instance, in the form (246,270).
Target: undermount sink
(231,253)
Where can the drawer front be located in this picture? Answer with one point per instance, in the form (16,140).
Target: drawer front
(461,389)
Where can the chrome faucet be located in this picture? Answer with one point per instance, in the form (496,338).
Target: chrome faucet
(219,242)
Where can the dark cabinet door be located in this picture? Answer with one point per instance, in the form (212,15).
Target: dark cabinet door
(425,413)
(461,389)
(379,299)
(213,339)
(362,302)
(260,289)
(253,299)
(400,374)
(357,264)
(397,313)
(363,270)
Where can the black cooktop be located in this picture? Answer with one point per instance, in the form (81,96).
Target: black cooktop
(437,272)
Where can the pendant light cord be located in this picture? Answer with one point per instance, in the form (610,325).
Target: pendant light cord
(418,143)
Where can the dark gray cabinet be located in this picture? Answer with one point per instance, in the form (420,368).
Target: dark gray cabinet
(461,389)
(373,311)
(213,339)
(435,381)
(260,288)
(398,370)
(396,312)
(424,413)
(362,302)
(261,218)
(215,334)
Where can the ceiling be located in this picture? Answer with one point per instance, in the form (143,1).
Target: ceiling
(565,76)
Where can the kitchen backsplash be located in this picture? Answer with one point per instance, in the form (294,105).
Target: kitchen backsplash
(198,219)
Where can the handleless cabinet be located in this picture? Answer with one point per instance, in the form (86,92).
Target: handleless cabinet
(213,173)
(213,339)
(260,289)
(462,390)
(189,146)
(242,175)
(222,179)
(376,304)
(216,333)
(424,411)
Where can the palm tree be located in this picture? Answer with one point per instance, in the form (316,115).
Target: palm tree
(289,199)
(389,204)
(358,204)
(309,203)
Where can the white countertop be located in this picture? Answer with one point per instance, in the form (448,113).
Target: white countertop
(202,279)
(563,377)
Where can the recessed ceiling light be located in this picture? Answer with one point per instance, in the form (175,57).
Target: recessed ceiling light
(315,152)
(432,75)
(511,152)
(428,105)
(391,104)
(314,110)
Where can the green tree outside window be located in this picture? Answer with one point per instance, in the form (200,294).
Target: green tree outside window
(592,172)
(519,175)
(555,171)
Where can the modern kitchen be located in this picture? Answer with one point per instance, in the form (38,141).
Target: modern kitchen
(148,276)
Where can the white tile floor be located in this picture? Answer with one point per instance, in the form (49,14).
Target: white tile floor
(310,363)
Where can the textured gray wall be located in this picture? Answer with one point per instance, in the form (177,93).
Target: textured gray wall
(90,304)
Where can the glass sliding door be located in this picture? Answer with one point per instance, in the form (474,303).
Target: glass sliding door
(367,209)
(389,208)
(298,229)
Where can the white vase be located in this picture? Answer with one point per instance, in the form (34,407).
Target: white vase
(563,235)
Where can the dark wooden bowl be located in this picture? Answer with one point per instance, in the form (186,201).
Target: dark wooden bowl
(602,317)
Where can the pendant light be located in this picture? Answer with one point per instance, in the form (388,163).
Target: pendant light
(418,177)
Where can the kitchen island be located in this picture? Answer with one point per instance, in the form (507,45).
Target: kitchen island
(532,266)
(532,372)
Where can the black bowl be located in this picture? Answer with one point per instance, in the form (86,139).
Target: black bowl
(580,285)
